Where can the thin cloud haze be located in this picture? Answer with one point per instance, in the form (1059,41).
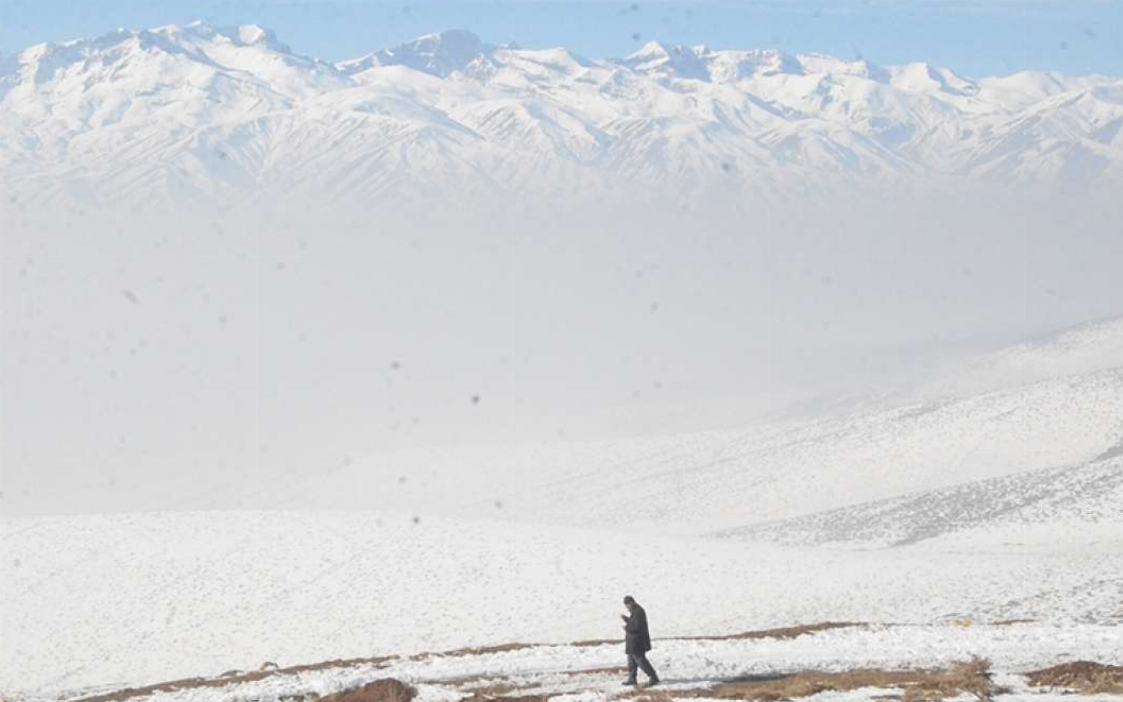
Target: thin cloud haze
(270,343)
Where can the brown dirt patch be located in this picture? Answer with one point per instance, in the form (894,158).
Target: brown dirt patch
(481,681)
(657,695)
(229,678)
(172,686)
(473,651)
(492,688)
(384,690)
(661,695)
(787,632)
(336,663)
(492,691)
(917,685)
(1011,622)
(614,670)
(589,643)
(480,650)
(520,698)
(487,686)
(1085,676)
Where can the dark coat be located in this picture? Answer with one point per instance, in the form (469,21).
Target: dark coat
(637,639)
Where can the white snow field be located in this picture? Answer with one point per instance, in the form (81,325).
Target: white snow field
(134,599)
(978,504)
(231,112)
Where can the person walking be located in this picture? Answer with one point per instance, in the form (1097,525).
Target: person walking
(637,642)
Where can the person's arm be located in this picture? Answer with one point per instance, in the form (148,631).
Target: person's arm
(634,624)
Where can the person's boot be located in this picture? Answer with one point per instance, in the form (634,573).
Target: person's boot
(629,681)
(653,681)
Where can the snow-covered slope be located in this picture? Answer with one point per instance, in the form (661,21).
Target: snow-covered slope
(1083,349)
(1041,508)
(1000,503)
(716,480)
(1078,498)
(182,112)
(116,600)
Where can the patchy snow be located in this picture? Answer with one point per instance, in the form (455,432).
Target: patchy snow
(590,672)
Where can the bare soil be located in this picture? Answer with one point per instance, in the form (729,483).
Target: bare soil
(1084,676)
(475,651)
(518,698)
(230,677)
(384,690)
(787,632)
(916,685)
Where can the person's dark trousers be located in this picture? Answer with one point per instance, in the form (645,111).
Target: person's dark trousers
(639,660)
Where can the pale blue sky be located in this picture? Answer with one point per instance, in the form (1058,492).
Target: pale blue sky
(976,38)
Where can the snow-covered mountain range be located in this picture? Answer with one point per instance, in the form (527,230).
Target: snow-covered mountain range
(201,111)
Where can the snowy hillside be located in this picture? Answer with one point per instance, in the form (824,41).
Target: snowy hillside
(118,600)
(1082,349)
(190,111)
(970,437)
(1002,503)
(1041,508)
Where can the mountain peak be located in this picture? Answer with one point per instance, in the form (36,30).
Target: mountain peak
(651,48)
(925,77)
(254,34)
(439,54)
(702,63)
(450,40)
(238,35)
(825,63)
(656,49)
(676,60)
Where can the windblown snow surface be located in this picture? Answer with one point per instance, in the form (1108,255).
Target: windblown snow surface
(977,520)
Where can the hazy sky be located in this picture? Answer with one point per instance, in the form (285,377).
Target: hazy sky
(975,37)
(144,361)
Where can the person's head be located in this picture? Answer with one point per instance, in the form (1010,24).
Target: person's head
(629,602)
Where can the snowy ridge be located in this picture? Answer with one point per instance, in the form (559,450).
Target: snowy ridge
(439,54)
(1079,499)
(200,111)
(1084,500)
(1083,349)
